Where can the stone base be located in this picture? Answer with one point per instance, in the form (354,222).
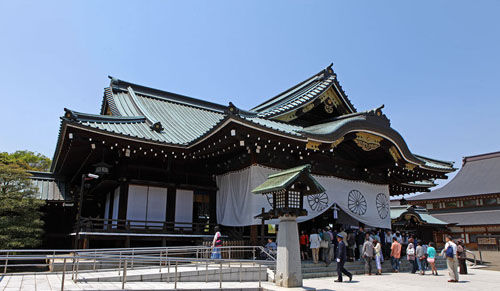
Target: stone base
(271,287)
(288,264)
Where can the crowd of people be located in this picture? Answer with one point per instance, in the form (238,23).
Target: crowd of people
(327,245)
(374,247)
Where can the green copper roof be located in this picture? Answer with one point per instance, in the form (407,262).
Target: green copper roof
(183,121)
(47,187)
(302,94)
(422,213)
(286,178)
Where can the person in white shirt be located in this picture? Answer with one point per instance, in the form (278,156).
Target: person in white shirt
(399,238)
(314,241)
(451,259)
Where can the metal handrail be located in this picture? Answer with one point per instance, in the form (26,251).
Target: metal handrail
(474,255)
(119,249)
(142,257)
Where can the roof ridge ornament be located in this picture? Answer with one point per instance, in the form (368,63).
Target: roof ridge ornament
(330,72)
(157,127)
(232,109)
(69,114)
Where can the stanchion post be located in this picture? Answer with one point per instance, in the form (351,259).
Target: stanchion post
(95,254)
(6,263)
(168,272)
(160,261)
(220,274)
(197,260)
(132,266)
(175,279)
(120,264)
(77,267)
(73,268)
(206,271)
(63,275)
(260,270)
(124,277)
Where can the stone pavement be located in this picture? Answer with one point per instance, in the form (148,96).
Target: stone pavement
(478,279)
(491,259)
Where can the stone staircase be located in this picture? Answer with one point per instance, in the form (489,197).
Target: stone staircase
(311,270)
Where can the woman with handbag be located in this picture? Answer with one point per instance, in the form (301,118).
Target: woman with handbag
(314,241)
(326,244)
(420,257)
(410,255)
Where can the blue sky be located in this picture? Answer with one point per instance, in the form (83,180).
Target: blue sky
(434,64)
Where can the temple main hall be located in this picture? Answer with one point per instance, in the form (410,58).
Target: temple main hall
(166,168)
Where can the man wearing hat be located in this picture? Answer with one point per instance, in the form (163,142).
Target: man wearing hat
(341,258)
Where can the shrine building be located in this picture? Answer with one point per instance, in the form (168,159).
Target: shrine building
(171,167)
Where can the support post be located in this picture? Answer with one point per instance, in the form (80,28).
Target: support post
(124,277)
(6,263)
(79,213)
(262,225)
(288,264)
(63,275)
(175,278)
(220,274)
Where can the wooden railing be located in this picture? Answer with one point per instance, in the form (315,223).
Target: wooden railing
(143,226)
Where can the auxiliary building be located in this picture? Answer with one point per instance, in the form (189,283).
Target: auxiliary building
(470,201)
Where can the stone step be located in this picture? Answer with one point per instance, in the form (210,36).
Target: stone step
(352,271)
(333,267)
(310,263)
(311,270)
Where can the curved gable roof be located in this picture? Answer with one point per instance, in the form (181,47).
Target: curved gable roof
(302,94)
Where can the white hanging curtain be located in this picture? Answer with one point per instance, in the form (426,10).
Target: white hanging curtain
(237,205)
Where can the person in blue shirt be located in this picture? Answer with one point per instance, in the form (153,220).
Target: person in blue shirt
(271,245)
(431,258)
(341,258)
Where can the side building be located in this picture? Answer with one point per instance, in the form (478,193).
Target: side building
(470,201)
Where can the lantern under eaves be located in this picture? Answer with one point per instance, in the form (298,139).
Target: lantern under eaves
(288,189)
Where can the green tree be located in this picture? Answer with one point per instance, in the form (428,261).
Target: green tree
(27,160)
(20,216)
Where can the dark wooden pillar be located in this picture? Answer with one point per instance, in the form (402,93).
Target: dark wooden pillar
(262,225)
(170,214)
(122,203)
(253,234)
(213,208)
(110,209)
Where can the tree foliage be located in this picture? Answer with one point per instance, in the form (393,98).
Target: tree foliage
(27,160)
(20,216)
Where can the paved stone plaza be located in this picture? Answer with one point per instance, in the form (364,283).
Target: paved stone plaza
(478,279)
